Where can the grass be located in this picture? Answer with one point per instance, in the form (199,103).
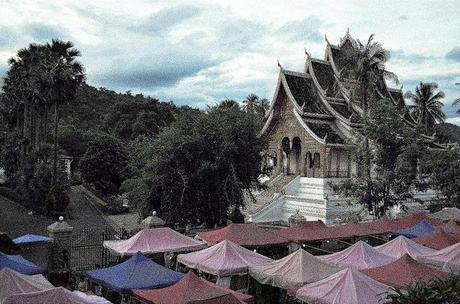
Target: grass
(92,197)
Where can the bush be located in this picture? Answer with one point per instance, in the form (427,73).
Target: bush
(437,291)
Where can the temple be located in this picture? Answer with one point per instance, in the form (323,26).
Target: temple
(309,125)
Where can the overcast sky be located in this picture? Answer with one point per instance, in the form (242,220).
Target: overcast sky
(200,52)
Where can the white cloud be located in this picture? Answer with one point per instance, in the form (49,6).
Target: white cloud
(454,120)
(198,52)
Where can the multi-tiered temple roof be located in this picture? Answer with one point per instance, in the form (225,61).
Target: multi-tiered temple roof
(326,95)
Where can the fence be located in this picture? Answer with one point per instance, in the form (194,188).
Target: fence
(87,252)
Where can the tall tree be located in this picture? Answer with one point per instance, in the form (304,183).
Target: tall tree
(203,163)
(370,71)
(428,106)
(392,160)
(65,75)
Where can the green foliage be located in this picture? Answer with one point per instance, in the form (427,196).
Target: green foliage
(203,163)
(105,163)
(428,106)
(447,132)
(73,141)
(441,168)
(145,116)
(390,157)
(445,291)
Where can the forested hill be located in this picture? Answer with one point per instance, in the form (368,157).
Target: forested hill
(448,132)
(121,114)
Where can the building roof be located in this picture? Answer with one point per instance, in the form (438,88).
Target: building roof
(325,131)
(304,92)
(325,76)
(403,272)
(190,290)
(249,235)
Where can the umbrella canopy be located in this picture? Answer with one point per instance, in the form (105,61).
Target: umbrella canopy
(19,264)
(447,214)
(138,272)
(387,225)
(17,283)
(420,229)
(57,295)
(294,270)
(359,256)
(448,259)
(157,240)
(223,259)
(403,272)
(345,287)
(192,289)
(401,245)
(249,235)
(31,238)
(438,240)
(451,227)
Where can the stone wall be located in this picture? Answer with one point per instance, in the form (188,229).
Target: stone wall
(285,124)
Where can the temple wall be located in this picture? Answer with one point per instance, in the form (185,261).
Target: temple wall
(285,124)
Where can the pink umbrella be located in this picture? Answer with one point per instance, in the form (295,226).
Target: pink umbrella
(401,245)
(158,240)
(359,256)
(294,270)
(223,259)
(13,282)
(345,287)
(57,295)
(448,259)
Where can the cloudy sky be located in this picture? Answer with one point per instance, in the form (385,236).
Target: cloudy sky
(199,52)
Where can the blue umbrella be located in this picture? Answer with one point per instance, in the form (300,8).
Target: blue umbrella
(19,264)
(138,272)
(420,229)
(31,238)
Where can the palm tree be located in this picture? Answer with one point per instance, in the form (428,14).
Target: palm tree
(370,68)
(256,105)
(427,109)
(65,75)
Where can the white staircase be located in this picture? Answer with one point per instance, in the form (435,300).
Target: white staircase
(313,197)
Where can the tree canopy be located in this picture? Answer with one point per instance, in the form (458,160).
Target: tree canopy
(203,163)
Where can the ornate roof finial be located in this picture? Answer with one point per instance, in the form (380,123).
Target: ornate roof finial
(279,65)
(325,38)
(306,52)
